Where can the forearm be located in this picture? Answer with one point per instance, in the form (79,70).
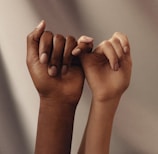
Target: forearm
(97,135)
(55,126)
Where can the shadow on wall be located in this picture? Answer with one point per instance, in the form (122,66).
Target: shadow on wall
(12,138)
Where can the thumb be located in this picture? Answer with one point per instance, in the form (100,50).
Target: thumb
(33,42)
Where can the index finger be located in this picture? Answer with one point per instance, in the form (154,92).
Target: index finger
(123,40)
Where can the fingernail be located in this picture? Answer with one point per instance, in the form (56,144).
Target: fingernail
(40,24)
(43,58)
(87,39)
(116,67)
(76,51)
(52,71)
(64,69)
(125,49)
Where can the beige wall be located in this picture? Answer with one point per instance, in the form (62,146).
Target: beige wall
(135,128)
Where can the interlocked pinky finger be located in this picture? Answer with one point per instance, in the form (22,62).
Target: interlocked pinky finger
(85,44)
(85,39)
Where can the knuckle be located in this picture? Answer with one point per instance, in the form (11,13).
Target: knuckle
(119,34)
(106,43)
(59,37)
(48,33)
(71,38)
(115,40)
(116,33)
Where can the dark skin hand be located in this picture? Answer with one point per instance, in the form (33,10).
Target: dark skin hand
(51,76)
(58,78)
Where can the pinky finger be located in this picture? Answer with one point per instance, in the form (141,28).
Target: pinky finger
(85,44)
(85,39)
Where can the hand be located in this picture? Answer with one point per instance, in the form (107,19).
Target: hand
(108,68)
(56,73)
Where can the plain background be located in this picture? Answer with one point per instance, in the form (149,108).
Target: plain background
(135,129)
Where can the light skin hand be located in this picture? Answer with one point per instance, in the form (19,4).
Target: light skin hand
(108,68)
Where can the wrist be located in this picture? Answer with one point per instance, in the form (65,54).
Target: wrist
(99,127)
(58,101)
(105,105)
(58,107)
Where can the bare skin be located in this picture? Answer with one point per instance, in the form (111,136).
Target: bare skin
(108,71)
(58,78)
